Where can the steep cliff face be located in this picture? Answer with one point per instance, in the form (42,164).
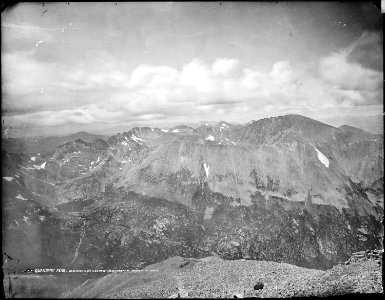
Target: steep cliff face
(328,172)
(125,229)
(362,161)
(34,235)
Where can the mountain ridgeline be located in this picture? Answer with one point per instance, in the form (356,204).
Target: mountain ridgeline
(285,189)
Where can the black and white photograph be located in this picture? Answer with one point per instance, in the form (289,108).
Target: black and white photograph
(192,149)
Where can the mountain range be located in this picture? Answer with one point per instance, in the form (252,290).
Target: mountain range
(285,189)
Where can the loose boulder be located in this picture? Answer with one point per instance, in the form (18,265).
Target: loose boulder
(258,286)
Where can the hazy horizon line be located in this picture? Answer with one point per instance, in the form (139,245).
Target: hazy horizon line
(110,131)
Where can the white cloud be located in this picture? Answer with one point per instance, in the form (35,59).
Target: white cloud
(51,118)
(282,74)
(104,89)
(152,76)
(351,81)
(197,75)
(22,74)
(255,80)
(28,28)
(337,70)
(281,80)
(224,66)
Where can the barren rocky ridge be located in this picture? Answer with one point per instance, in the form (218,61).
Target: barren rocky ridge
(212,277)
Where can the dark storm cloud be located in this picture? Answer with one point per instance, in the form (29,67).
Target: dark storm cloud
(367,15)
(370,54)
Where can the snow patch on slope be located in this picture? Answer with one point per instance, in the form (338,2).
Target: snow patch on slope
(42,166)
(210,138)
(33,158)
(322,158)
(20,197)
(8,178)
(136,139)
(207,167)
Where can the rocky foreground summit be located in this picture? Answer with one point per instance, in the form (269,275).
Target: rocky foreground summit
(212,277)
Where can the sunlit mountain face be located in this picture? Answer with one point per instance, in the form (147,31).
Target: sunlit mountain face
(286,189)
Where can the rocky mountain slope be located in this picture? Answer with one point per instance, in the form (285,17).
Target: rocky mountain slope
(287,189)
(290,128)
(212,277)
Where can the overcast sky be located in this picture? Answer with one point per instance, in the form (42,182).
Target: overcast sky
(87,66)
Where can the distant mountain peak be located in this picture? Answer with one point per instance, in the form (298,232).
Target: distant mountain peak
(183,129)
(292,120)
(81,132)
(250,122)
(182,126)
(286,128)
